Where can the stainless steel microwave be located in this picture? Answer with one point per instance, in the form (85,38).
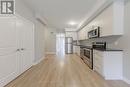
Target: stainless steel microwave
(94,33)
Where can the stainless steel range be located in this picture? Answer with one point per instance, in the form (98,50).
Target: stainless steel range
(87,55)
(86,52)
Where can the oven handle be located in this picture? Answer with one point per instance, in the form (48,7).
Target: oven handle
(87,49)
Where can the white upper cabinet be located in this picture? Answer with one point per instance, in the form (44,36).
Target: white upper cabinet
(83,33)
(72,34)
(86,30)
(110,21)
(80,35)
(105,22)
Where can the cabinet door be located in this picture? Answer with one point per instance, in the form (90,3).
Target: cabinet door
(74,49)
(87,30)
(78,50)
(79,38)
(80,35)
(72,34)
(25,44)
(98,61)
(84,34)
(8,50)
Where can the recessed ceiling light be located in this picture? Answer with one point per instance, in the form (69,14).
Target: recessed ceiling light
(72,23)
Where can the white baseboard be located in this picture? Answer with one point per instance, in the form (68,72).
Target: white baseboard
(114,78)
(35,63)
(50,52)
(126,80)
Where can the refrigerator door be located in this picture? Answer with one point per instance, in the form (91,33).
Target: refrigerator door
(68,40)
(68,48)
(68,45)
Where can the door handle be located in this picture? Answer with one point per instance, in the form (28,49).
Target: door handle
(22,49)
(18,50)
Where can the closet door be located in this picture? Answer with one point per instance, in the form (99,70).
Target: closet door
(8,50)
(26,44)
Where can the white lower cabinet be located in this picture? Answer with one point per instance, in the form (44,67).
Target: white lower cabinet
(108,64)
(16,47)
(74,48)
(77,50)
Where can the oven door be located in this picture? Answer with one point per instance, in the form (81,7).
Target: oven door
(87,53)
(88,57)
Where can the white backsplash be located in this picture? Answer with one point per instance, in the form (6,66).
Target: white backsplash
(112,41)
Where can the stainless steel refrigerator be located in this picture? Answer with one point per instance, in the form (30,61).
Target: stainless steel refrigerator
(68,45)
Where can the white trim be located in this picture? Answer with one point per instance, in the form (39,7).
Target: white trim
(35,63)
(113,78)
(50,52)
(4,81)
(94,12)
(19,16)
(126,80)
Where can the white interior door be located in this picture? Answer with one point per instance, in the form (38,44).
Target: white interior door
(26,44)
(8,50)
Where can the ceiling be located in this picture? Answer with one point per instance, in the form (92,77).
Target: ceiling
(58,13)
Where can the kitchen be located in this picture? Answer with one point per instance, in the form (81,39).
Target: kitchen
(95,43)
(65,43)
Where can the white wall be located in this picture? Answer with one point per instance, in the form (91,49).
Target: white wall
(124,42)
(50,40)
(23,10)
(39,41)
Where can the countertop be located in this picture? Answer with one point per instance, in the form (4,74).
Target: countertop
(109,49)
(83,46)
(90,47)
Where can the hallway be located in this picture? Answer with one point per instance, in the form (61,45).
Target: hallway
(62,71)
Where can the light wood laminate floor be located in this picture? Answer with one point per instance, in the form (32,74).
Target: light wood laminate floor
(62,71)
